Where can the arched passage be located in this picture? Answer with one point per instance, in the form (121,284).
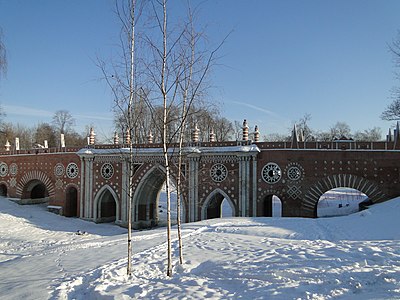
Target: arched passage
(35,189)
(162,205)
(71,202)
(339,202)
(216,204)
(311,198)
(147,198)
(106,207)
(3,190)
(270,206)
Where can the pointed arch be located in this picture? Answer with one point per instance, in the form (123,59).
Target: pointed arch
(369,188)
(97,203)
(211,197)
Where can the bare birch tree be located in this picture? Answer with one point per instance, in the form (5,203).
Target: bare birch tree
(177,69)
(122,79)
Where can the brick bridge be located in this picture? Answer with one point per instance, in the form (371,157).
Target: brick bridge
(91,183)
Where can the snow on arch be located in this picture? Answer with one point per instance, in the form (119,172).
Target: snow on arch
(210,197)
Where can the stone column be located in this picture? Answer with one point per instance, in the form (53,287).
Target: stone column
(88,182)
(244,185)
(82,207)
(254,186)
(193,191)
(124,190)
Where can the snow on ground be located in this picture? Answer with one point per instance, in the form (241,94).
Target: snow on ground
(350,257)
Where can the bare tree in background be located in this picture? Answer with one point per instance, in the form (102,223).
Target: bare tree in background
(304,128)
(340,130)
(369,135)
(63,121)
(392,111)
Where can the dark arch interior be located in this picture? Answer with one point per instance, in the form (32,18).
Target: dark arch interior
(107,208)
(214,206)
(3,190)
(35,189)
(147,198)
(269,206)
(71,203)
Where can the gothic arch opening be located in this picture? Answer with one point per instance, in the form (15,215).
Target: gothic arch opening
(162,206)
(71,202)
(35,189)
(3,190)
(150,200)
(218,205)
(270,206)
(339,202)
(106,206)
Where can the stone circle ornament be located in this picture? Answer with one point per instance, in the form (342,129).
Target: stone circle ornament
(218,172)
(59,170)
(271,173)
(13,169)
(294,173)
(107,171)
(72,170)
(3,169)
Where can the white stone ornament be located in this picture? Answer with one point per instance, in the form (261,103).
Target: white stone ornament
(13,169)
(72,170)
(218,172)
(107,171)
(271,173)
(3,169)
(59,170)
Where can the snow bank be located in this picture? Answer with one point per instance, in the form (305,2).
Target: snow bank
(351,257)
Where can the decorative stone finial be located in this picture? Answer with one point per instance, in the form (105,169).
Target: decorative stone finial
(256,134)
(92,136)
(17,143)
(295,140)
(7,146)
(245,135)
(195,134)
(212,135)
(128,137)
(389,136)
(150,137)
(116,138)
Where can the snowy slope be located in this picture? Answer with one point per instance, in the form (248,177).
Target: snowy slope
(351,257)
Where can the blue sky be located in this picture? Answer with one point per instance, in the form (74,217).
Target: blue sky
(283,59)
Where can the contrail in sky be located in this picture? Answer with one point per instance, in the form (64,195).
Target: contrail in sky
(33,112)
